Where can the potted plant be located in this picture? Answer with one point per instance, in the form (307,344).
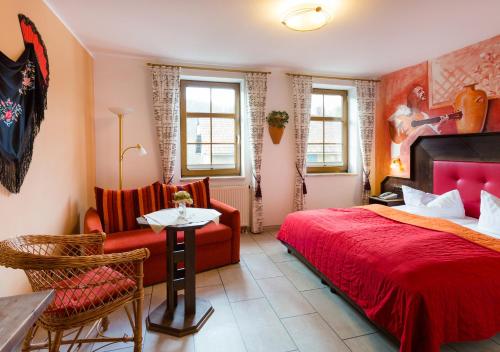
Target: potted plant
(277,121)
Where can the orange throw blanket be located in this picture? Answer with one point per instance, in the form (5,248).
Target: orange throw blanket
(437,224)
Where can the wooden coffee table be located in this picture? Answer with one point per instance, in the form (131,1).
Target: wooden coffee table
(180,315)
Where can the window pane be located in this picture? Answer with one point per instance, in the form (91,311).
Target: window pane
(333,154)
(198,155)
(317,105)
(223,130)
(198,130)
(314,154)
(333,105)
(333,131)
(315,132)
(197,99)
(223,155)
(223,100)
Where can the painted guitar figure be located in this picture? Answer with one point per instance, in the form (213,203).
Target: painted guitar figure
(401,126)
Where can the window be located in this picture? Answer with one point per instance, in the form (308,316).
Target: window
(327,142)
(210,128)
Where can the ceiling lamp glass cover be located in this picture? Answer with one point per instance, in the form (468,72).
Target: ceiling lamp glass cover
(306,18)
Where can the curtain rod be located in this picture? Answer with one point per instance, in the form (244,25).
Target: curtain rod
(334,77)
(205,68)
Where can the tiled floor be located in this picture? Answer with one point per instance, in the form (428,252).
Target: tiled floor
(271,302)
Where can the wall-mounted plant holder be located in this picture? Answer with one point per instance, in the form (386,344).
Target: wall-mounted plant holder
(277,121)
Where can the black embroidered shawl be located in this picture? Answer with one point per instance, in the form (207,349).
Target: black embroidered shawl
(23,100)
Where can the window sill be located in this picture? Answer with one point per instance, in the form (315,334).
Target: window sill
(224,178)
(332,174)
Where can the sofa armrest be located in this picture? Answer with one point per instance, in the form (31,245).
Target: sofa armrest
(230,217)
(92,222)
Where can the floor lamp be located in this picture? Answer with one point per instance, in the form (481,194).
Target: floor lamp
(121,112)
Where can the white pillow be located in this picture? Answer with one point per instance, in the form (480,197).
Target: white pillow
(448,205)
(489,220)
(415,197)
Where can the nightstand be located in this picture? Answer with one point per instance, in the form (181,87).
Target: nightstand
(387,202)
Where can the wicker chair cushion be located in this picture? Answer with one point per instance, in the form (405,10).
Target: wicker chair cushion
(89,290)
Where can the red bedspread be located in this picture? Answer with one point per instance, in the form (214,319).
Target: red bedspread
(425,287)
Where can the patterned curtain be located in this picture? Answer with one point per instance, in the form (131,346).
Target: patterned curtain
(166,89)
(256,90)
(302,90)
(366,91)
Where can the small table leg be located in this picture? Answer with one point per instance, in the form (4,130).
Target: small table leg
(183,315)
(190,278)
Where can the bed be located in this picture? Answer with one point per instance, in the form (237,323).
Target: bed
(425,281)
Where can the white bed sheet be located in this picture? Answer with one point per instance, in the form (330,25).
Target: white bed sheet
(469,222)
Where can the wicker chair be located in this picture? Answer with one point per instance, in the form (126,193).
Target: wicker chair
(88,284)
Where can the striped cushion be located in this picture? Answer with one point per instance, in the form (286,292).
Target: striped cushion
(198,190)
(118,210)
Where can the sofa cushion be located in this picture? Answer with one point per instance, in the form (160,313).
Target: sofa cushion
(199,191)
(147,238)
(119,210)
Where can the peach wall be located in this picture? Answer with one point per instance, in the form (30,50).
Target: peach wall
(125,81)
(57,188)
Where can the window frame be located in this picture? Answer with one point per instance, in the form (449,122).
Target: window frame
(345,133)
(184,115)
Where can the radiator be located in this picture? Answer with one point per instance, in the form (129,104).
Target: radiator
(237,196)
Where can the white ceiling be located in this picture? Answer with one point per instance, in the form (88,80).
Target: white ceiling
(365,37)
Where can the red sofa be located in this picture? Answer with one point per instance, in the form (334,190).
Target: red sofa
(216,244)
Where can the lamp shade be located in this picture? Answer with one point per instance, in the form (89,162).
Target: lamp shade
(120,111)
(142,150)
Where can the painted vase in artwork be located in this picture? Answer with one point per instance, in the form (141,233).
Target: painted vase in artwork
(473,103)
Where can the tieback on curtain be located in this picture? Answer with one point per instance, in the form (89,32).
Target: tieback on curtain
(304,188)
(169,180)
(258,191)
(367,185)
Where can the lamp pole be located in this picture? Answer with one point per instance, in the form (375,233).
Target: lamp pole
(120,147)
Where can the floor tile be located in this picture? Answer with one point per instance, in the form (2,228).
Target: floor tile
(239,284)
(42,337)
(119,325)
(479,346)
(312,334)
(166,343)
(344,319)
(284,297)
(261,329)
(248,245)
(261,266)
(372,343)
(208,278)
(220,332)
(282,255)
(496,338)
(300,275)
(215,294)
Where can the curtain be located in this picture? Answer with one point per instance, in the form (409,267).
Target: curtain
(256,90)
(166,89)
(301,90)
(366,91)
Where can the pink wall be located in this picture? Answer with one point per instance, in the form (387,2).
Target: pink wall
(125,81)
(57,188)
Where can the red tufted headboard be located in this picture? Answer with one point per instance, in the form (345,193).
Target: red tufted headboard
(469,178)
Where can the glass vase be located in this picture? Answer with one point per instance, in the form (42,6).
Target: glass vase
(181,208)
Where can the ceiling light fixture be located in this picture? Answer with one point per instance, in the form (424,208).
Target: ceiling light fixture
(306,18)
